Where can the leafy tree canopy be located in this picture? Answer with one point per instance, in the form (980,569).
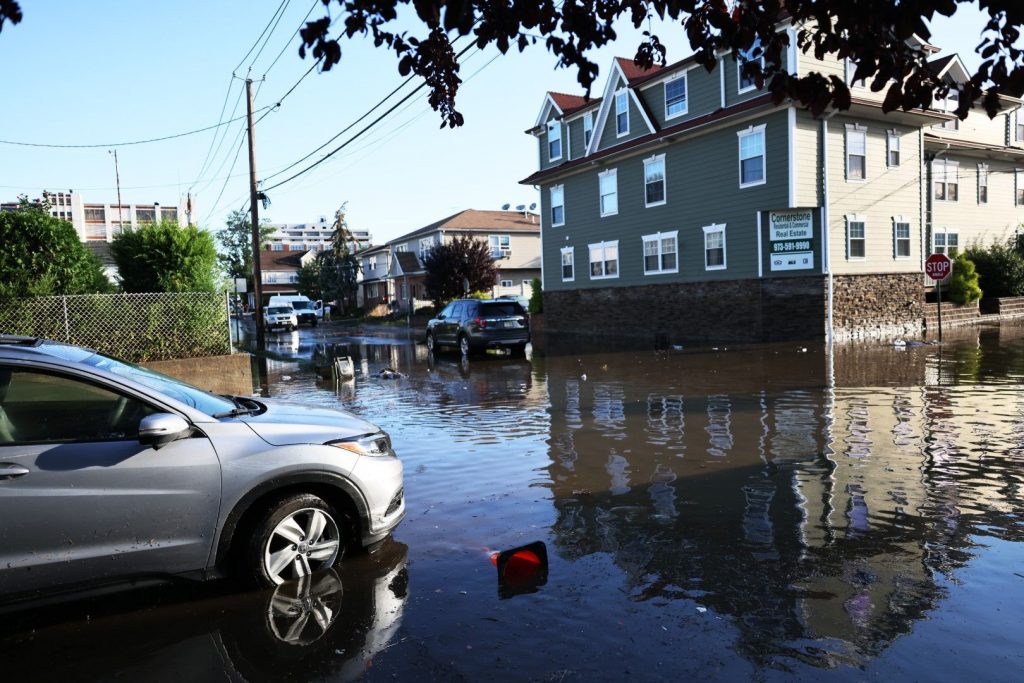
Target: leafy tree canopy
(449,266)
(235,242)
(43,256)
(872,33)
(166,257)
(339,265)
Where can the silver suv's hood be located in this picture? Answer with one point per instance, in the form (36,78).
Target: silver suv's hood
(283,424)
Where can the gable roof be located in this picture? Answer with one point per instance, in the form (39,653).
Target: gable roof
(281,260)
(408,262)
(473,220)
(616,74)
(633,72)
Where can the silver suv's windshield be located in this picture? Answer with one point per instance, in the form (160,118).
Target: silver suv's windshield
(204,401)
(279,310)
(302,305)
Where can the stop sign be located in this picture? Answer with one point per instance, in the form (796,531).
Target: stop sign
(938,266)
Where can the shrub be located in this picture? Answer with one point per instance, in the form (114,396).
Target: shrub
(1000,267)
(536,297)
(963,283)
(166,257)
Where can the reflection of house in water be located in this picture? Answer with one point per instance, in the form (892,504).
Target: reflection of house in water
(812,516)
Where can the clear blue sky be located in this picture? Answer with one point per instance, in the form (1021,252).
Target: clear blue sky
(118,70)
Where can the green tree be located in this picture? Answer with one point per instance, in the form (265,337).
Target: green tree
(963,283)
(1001,267)
(877,36)
(536,297)
(42,255)
(166,257)
(451,265)
(339,265)
(235,242)
(310,279)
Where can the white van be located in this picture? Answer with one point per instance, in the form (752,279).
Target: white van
(307,311)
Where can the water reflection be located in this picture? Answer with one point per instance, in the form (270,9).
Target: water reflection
(332,624)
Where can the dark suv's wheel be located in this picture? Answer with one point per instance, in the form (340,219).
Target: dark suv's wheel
(294,537)
(464,348)
(431,344)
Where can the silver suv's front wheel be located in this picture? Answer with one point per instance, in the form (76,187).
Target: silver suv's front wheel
(297,536)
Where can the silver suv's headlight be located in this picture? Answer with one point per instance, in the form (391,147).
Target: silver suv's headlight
(366,444)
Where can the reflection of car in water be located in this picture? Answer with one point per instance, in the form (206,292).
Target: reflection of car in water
(328,625)
(501,379)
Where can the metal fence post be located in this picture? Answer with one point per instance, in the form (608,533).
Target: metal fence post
(227,310)
(67,326)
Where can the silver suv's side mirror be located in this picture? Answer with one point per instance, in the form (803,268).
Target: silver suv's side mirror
(160,429)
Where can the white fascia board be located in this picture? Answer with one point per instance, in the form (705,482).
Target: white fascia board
(640,108)
(956,70)
(549,103)
(606,100)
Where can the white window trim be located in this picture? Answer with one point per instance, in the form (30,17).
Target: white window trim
(890,135)
(981,170)
(571,251)
(657,237)
(753,130)
(505,252)
(588,118)
(664,91)
(945,164)
(740,90)
(560,188)
(552,125)
(613,172)
(664,180)
(855,128)
(1018,176)
(708,229)
(857,218)
(603,246)
(503,285)
(624,92)
(910,242)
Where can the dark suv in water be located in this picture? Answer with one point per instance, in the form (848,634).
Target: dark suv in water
(474,325)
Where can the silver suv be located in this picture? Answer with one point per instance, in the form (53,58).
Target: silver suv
(111,471)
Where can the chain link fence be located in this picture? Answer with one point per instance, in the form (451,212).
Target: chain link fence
(135,327)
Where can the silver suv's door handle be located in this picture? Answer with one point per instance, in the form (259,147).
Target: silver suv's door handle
(9,470)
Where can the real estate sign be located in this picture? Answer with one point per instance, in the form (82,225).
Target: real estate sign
(791,235)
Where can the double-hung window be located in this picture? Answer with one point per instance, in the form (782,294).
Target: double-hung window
(604,260)
(675,97)
(588,127)
(983,183)
(557,205)
(609,187)
(660,253)
(892,148)
(714,247)
(949,104)
(1018,187)
(947,243)
(754,54)
(856,152)
(554,141)
(568,273)
(621,113)
(945,177)
(501,246)
(372,263)
(856,237)
(752,166)
(426,244)
(654,180)
(900,237)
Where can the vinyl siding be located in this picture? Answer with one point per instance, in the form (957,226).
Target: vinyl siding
(732,95)
(702,188)
(702,94)
(637,125)
(885,193)
(975,222)
(575,139)
(977,127)
(807,148)
(543,138)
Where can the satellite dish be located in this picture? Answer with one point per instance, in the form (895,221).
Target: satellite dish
(533,206)
(504,207)
(520,207)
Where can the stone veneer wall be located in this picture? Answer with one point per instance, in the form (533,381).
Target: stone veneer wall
(731,310)
(879,305)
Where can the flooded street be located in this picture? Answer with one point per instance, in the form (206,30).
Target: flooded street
(768,512)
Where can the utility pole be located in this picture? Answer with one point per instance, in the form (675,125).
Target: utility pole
(117,180)
(257,274)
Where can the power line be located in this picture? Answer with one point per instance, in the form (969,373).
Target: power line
(291,37)
(122,144)
(260,37)
(270,35)
(213,140)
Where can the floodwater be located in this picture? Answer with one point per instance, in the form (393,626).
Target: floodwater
(768,512)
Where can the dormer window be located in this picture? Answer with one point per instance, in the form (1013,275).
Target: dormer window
(675,97)
(554,141)
(754,54)
(588,128)
(621,113)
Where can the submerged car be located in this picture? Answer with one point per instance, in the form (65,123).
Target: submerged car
(472,325)
(110,471)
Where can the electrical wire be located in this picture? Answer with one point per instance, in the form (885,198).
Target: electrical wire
(270,35)
(260,37)
(290,38)
(123,144)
